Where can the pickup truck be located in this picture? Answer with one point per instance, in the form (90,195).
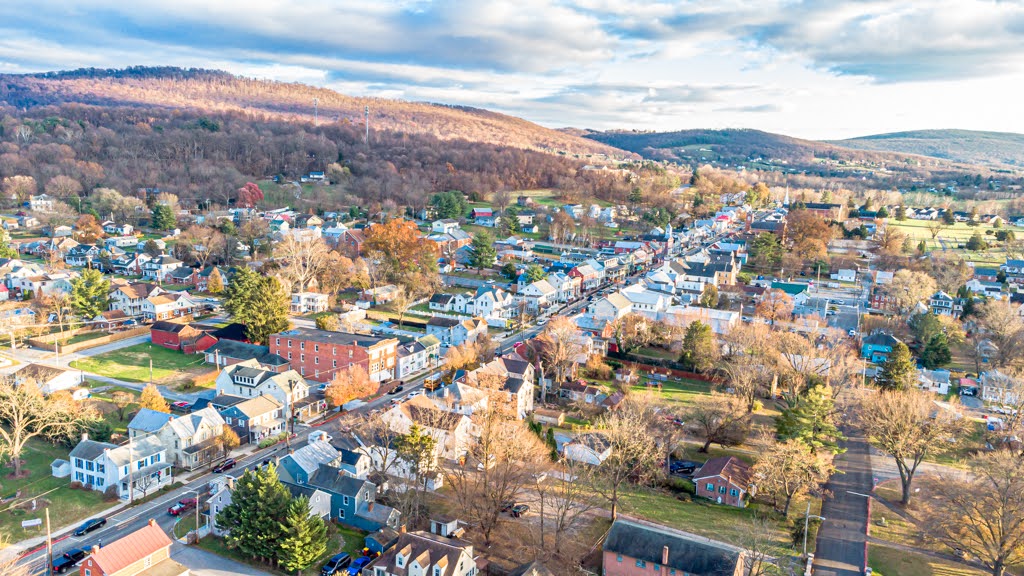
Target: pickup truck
(182,506)
(68,560)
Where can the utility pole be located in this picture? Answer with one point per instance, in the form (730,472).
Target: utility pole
(49,540)
(151,370)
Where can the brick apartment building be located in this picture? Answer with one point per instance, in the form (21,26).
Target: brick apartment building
(319,354)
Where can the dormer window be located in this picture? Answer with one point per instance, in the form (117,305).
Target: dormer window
(400,561)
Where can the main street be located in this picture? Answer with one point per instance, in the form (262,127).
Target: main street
(842,539)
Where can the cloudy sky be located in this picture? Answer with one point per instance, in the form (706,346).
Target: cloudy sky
(814,69)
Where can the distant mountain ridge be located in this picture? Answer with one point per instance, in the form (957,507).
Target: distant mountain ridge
(214,90)
(968,146)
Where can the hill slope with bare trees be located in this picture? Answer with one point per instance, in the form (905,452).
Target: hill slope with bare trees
(213,91)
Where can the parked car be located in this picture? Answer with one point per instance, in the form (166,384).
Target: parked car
(336,564)
(182,506)
(357,565)
(519,510)
(508,505)
(89,526)
(225,465)
(181,406)
(397,390)
(68,560)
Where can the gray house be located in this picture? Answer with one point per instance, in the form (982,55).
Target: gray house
(352,501)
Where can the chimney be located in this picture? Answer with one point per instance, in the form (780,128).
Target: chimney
(369,506)
(664,556)
(95,549)
(230,481)
(85,436)
(401,529)
(152,522)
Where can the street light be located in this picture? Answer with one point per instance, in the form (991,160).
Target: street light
(807,518)
(196,492)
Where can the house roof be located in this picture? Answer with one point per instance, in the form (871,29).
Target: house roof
(39,373)
(90,449)
(187,425)
(429,549)
(881,339)
(164,326)
(149,420)
(245,351)
(534,568)
(686,552)
(335,480)
(257,406)
(119,554)
(339,338)
(729,467)
(618,300)
(312,455)
(140,448)
(443,322)
(791,288)
(136,290)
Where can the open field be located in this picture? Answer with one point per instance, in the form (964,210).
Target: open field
(132,364)
(66,505)
(886,561)
(677,391)
(951,237)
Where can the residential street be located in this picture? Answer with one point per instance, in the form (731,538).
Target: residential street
(842,544)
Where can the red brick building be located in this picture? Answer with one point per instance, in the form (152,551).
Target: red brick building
(725,480)
(183,337)
(319,355)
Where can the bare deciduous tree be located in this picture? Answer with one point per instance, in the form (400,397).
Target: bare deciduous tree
(632,455)
(789,469)
(908,426)
(982,513)
(561,345)
(25,414)
(302,261)
(719,419)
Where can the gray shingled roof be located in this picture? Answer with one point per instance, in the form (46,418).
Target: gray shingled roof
(149,420)
(90,449)
(690,554)
(332,479)
(312,455)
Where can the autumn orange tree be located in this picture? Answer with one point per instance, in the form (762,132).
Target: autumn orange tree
(87,229)
(775,305)
(404,255)
(349,384)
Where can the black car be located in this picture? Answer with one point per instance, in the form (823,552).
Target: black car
(336,564)
(683,467)
(89,526)
(225,465)
(397,390)
(519,510)
(68,560)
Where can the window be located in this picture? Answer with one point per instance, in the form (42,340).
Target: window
(437,571)
(400,561)
(289,343)
(710,487)
(302,345)
(302,370)
(734,492)
(316,347)
(289,355)
(316,360)
(641,564)
(721,489)
(102,468)
(89,466)
(278,341)
(344,500)
(341,513)
(80,476)
(618,557)
(302,357)
(334,363)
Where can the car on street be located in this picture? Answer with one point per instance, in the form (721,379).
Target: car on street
(839,302)
(542,321)
(182,506)
(225,465)
(852,333)
(68,560)
(89,526)
(397,390)
(357,565)
(519,510)
(336,564)
(180,406)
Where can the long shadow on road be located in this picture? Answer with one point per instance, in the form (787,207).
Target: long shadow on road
(842,541)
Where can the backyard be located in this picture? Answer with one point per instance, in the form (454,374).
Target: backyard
(131,364)
(340,539)
(66,506)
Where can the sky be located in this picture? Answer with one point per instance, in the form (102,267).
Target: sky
(821,69)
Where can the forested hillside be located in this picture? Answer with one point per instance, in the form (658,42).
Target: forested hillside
(216,91)
(1000,149)
(792,160)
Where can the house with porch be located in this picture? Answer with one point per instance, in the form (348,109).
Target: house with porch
(135,469)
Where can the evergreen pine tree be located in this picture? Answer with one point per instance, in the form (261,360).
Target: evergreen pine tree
(305,537)
(936,353)
(259,302)
(90,294)
(253,518)
(809,420)
(898,372)
(481,252)
(162,218)
(699,350)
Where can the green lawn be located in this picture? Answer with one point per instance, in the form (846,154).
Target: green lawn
(132,364)
(340,539)
(702,517)
(886,561)
(67,506)
(84,337)
(678,391)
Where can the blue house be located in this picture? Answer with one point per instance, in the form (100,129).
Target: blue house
(878,346)
(352,501)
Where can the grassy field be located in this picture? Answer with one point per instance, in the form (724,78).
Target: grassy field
(678,391)
(132,364)
(886,561)
(83,337)
(67,506)
(724,523)
(951,237)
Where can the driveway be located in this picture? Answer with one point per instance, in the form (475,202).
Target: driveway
(842,541)
(203,563)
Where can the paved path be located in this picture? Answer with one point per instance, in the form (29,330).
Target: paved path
(204,563)
(842,544)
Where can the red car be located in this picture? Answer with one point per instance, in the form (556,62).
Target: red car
(182,506)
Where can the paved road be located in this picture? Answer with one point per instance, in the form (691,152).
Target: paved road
(128,520)
(842,543)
